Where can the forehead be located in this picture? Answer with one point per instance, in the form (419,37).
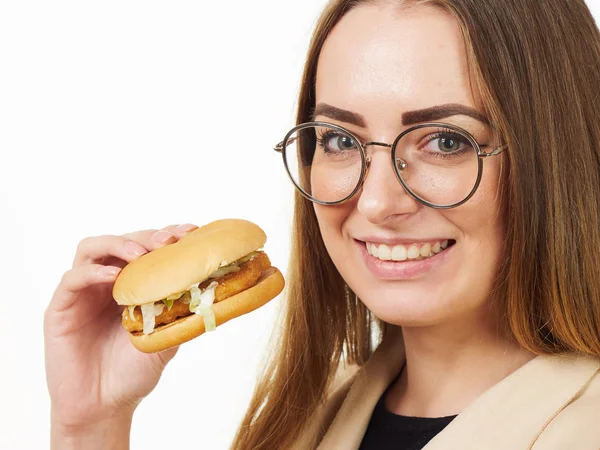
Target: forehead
(380,61)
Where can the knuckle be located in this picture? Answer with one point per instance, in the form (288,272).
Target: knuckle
(93,244)
(65,278)
(84,244)
(139,235)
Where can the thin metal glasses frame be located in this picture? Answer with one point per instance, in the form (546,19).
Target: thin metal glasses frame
(366,160)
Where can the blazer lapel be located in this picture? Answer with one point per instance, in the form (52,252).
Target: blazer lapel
(510,415)
(514,412)
(350,423)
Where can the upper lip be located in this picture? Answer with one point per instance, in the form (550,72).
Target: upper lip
(390,241)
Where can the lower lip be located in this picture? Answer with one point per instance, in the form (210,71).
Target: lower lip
(401,270)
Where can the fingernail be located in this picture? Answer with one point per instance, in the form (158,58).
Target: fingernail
(135,249)
(162,237)
(186,227)
(110,271)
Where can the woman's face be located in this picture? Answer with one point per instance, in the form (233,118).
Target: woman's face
(387,68)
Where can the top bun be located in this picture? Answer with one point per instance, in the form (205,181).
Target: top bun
(174,268)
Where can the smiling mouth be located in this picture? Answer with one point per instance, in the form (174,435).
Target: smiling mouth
(408,252)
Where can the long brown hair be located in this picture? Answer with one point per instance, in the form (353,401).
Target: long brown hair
(537,70)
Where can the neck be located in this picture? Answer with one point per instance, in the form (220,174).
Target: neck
(448,366)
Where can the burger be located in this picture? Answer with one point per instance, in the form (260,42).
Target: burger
(212,275)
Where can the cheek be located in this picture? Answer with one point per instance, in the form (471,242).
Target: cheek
(482,214)
(482,230)
(441,180)
(334,178)
(332,185)
(331,220)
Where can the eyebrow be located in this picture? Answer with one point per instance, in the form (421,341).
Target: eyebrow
(408,118)
(441,112)
(341,115)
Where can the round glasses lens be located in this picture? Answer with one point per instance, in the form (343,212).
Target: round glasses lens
(439,165)
(325,163)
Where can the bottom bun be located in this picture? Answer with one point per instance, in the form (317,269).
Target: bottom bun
(269,285)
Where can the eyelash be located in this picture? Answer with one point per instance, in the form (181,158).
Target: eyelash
(323,135)
(446,133)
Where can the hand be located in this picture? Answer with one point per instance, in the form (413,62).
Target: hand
(94,373)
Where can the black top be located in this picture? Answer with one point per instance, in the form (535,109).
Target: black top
(389,431)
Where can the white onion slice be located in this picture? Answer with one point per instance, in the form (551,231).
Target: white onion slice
(210,322)
(207,297)
(202,298)
(149,313)
(195,295)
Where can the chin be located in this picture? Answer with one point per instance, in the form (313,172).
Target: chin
(409,306)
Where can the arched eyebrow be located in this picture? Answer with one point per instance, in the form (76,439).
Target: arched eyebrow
(408,118)
(341,115)
(442,112)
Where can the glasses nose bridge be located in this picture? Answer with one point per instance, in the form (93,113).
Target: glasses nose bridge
(368,158)
(378,144)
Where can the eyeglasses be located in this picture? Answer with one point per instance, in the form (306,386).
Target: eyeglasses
(439,165)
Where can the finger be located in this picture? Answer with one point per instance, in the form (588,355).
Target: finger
(100,248)
(78,279)
(181,230)
(153,239)
(128,247)
(176,230)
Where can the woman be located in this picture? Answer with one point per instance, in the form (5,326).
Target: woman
(474,248)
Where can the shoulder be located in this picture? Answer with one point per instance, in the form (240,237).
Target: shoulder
(323,417)
(577,422)
(340,386)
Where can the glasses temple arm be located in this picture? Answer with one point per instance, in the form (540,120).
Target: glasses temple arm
(279,147)
(495,151)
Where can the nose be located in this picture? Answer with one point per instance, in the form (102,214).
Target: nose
(382,198)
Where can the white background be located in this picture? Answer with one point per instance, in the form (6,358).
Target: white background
(123,115)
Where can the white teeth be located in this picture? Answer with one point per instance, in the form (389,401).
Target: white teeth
(403,252)
(399,253)
(413,252)
(373,250)
(385,253)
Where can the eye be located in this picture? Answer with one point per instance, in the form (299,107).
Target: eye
(333,141)
(448,145)
(447,142)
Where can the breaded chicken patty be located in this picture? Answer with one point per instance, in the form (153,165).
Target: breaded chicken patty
(227,286)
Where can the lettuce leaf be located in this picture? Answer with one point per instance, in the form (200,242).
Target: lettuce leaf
(168,303)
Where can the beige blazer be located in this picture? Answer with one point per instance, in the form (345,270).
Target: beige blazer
(550,403)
